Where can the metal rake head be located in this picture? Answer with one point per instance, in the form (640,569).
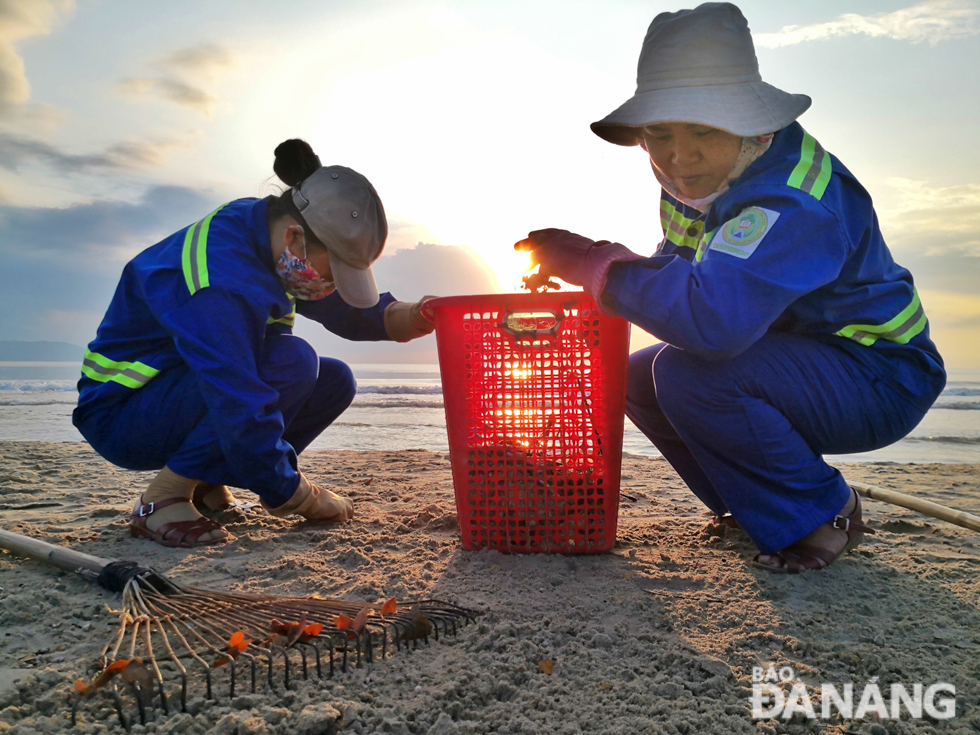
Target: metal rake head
(170,636)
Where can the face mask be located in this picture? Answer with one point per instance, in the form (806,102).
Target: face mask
(299,278)
(752,148)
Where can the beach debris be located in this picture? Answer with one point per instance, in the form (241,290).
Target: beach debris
(420,628)
(236,645)
(343,622)
(390,607)
(103,677)
(537,282)
(547,666)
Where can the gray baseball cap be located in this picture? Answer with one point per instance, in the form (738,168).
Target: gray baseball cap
(345,213)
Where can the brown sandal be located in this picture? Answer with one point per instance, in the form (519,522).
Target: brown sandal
(725,521)
(176,534)
(800,557)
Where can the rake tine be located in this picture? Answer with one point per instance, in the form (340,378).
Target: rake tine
(163,696)
(207,678)
(119,708)
(138,696)
(368,646)
(302,653)
(231,688)
(396,624)
(156,668)
(316,655)
(252,661)
(285,658)
(74,708)
(271,686)
(183,692)
(343,666)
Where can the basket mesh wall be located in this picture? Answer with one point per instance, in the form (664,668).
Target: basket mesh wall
(542,413)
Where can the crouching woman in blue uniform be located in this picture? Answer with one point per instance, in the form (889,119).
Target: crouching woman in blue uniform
(194,370)
(788,330)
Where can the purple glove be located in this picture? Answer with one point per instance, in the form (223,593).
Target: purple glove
(575,259)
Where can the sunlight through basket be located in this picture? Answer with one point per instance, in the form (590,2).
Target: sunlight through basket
(534,388)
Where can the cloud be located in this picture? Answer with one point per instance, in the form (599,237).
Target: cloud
(931,21)
(934,232)
(16,152)
(207,61)
(441,270)
(949,215)
(184,71)
(96,234)
(172,90)
(20,19)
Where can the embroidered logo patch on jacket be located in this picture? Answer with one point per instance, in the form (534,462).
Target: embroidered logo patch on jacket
(741,236)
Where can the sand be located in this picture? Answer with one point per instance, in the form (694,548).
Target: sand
(660,635)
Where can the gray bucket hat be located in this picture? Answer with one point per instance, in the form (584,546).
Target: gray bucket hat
(699,66)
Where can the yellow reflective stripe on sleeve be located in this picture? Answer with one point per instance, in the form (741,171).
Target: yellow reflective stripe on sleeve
(703,245)
(289,319)
(901,329)
(185,258)
(812,173)
(677,227)
(130,374)
(194,256)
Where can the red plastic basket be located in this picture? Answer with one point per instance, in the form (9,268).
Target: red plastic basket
(534,388)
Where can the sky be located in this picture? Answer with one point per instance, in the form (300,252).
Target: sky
(122,122)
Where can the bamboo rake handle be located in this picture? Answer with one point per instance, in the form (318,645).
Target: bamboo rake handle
(57,556)
(919,505)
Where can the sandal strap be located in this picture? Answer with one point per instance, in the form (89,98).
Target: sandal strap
(848,524)
(805,552)
(187,528)
(142,510)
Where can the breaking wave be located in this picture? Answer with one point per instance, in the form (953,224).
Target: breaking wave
(401,389)
(37,386)
(945,439)
(397,403)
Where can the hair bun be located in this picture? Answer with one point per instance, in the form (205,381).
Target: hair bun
(295,160)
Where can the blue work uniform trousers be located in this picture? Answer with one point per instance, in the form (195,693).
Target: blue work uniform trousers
(747,434)
(166,422)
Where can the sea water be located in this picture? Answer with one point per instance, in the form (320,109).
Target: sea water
(400,407)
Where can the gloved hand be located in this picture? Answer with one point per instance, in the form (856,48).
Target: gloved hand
(314,503)
(575,259)
(405,321)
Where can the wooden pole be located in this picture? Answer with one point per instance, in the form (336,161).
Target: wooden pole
(50,554)
(919,505)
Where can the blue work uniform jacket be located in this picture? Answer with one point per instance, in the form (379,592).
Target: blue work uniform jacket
(206,297)
(792,246)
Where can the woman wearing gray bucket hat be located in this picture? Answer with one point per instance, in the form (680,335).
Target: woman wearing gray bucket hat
(195,371)
(788,330)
